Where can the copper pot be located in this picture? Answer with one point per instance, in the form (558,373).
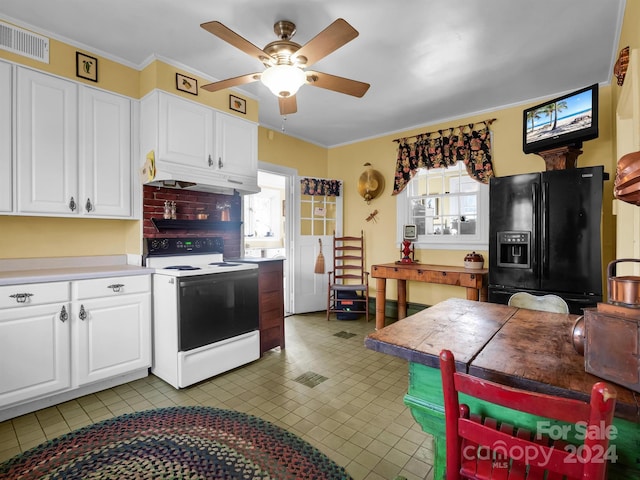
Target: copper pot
(623,290)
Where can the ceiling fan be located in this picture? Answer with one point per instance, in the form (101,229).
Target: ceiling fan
(285,61)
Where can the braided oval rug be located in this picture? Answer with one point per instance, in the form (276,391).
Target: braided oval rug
(176,443)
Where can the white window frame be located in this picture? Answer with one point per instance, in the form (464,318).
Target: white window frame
(479,241)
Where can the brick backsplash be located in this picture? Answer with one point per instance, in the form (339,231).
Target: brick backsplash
(188,205)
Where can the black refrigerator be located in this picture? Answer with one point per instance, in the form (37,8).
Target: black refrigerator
(544,235)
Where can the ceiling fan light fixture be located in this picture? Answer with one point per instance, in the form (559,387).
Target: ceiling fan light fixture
(283,80)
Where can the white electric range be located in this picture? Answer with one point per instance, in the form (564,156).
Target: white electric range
(205,310)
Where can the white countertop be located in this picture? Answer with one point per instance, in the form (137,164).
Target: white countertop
(39,270)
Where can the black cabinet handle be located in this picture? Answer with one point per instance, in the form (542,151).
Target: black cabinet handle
(21,297)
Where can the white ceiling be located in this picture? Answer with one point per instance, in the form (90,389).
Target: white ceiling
(426,60)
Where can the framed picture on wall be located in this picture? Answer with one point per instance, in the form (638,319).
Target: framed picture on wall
(86,67)
(238,104)
(186,84)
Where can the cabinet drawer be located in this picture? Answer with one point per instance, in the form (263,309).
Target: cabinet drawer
(29,294)
(473,280)
(271,300)
(271,281)
(112,286)
(447,278)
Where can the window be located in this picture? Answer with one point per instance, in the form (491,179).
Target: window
(263,215)
(449,208)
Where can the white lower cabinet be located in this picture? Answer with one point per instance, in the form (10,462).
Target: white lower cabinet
(112,334)
(61,340)
(34,352)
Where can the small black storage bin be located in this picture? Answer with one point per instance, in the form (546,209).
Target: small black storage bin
(346,303)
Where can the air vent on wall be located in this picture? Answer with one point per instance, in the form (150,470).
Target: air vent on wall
(24,42)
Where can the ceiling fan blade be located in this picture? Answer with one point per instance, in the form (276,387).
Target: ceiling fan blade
(288,105)
(231,37)
(329,40)
(337,84)
(231,82)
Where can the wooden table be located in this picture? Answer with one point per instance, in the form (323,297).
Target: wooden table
(513,346)
(475,281)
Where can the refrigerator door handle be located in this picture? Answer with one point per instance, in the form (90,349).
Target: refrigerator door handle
(545,229)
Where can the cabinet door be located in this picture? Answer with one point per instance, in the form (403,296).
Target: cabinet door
(6,141)
(47,143)
(237,145)
(105,153)
(34,352)
(185,133)
(113,336)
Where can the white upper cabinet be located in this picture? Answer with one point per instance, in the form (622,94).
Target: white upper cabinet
(105,153)
(236,145)
(185,132)
(73,148)
(195,143)
(6,140)
(47,143)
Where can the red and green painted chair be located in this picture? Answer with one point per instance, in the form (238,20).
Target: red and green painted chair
(480,447)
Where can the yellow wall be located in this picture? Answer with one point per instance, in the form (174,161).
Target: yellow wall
(280,149)
(346,163)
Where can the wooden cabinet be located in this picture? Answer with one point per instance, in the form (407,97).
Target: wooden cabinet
(61,340)
(6,138)
(105,154)
(271,293)
(113,318)
(73,148)
(195,143)
(47,143)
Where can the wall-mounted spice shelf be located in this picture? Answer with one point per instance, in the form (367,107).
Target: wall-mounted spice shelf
(162,224)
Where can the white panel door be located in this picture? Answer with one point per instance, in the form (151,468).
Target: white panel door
(34,352)
(47,143)
(6,138)
(113,336)
(185,133)
(317,219)
(105,149)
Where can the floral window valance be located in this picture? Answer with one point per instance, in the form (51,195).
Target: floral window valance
(320,186)
(444,148)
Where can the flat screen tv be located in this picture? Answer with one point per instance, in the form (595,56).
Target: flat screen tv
(564,121)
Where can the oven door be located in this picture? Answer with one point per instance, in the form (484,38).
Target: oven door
(216,306)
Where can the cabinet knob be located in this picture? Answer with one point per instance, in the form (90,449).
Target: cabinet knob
(72,204)
(116,287)
(88,207)
(210,161)
(64,316)
(83,313)
(21,297)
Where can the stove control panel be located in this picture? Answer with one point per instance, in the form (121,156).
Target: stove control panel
(184,246)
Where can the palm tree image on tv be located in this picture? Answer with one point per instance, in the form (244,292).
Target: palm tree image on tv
(558,118)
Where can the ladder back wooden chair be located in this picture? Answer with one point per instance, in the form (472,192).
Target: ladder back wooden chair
(348,290)
(484,448)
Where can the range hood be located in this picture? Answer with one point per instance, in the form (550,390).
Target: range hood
(211,182)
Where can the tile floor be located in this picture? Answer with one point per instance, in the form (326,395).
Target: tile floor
(356,415)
